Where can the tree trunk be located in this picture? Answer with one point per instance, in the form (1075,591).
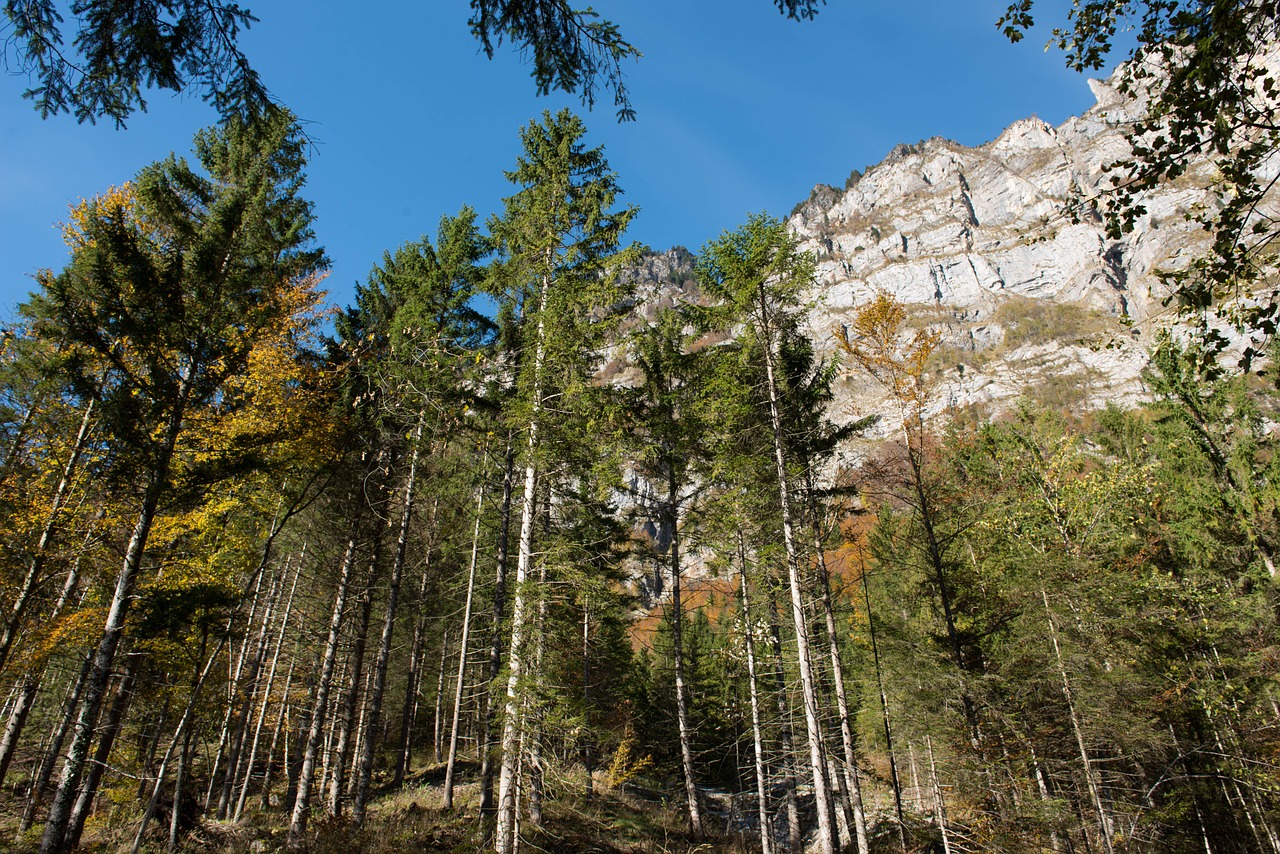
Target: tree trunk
(371,737)
(111,730)
(414,674)
(884,710)
(40,785)
(852,786)
(53,841)
(672,514)
(346,721)
(275,737)
(266,691)
(795,833)
(302,798)
(463,646)
(487,806)
(808,688)
(31,578)
(249,686)
(757,741)
(179,736)
(939,806)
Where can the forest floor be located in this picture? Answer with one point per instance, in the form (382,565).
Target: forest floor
(410,819)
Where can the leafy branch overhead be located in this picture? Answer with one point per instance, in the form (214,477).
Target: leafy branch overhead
(120,49)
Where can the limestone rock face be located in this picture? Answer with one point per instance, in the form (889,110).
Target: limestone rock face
(980,244)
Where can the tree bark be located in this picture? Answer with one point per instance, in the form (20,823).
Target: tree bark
(463,646)
(487,806)
(106,741)
(302,798)
(31,578)
(266,691)
(757,741)
(677,651)
(371,737)
(808,688)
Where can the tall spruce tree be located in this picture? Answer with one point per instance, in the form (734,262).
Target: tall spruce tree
(558,245)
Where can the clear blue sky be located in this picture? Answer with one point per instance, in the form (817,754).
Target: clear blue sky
(739,111)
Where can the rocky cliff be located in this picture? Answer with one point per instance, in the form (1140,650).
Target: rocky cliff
(979,243)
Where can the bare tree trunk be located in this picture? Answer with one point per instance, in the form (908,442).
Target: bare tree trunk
(53,841)
(757,741)
(110,731)
(266,691)
(31,579)
(346,720)
(939,805)
(302,799)
(240,731)
(235,664)
(677,651)
(179,736)
(437,731)
(533,734)
(884,711)
(371,737)
(413,678)
(487,806)
(275,737)
(1104,817)
(464,645)
(852,786)
(808,688)
(40,785)
(175,817)
(795,833)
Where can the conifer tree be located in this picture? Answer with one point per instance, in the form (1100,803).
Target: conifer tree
(558,257)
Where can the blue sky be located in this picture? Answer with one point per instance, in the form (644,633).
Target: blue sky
(739,111)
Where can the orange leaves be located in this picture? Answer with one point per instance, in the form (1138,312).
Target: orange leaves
(877,343)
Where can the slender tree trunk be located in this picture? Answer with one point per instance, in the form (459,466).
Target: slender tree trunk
(852,785)
(677,649)
(371,737)
(464,645)
(437,730)
(31,681)
(175,817)
(1104,817)
(795,832)
(266,691)
(512,725)
(884,712)
(757,741)
(40,785)
(275,737)
(249,686)
(487,806)
(106,741)
(235,666)
(534,705)
(808,688)
(413,678)
(939,805)
(346,720)
(179,737)
(588,753)
(302,798)
(31,578)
